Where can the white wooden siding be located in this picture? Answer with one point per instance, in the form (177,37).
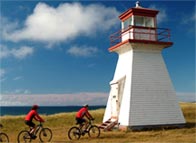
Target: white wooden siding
(148,97)
(153,99)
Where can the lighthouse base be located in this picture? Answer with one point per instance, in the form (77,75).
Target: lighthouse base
(150,127)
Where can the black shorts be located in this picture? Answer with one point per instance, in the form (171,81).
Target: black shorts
(30,123)
(80,120)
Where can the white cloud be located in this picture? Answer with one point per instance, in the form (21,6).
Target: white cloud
(22,91)
(22,52)
(2,72)
(2,75)
(187,19)
(162,16)
(186,97)
(67,21)
(4,52)
(16,92)
(54,99)
(18,78)
(23,97)
(7,26)
(19,53)
(82,51)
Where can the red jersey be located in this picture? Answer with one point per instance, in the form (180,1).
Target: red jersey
(33,114)
(83,112)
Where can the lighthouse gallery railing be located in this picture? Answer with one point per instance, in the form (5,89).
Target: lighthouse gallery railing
(140,33)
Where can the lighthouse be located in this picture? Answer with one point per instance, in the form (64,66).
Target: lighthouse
(141,92)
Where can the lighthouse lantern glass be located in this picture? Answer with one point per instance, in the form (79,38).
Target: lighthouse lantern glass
(144,21)
(128,22)
(138,21)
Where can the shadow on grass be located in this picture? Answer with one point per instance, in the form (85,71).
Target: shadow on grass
(190,125)
(167,127)
(111,136)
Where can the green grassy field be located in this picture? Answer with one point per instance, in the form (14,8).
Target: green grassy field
(60,124)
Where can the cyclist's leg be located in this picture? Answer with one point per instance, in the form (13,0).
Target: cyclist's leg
(81,122)
(32,127)
(85,124)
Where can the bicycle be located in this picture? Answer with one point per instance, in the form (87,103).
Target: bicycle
(45,134)
(3,136)
(75,132)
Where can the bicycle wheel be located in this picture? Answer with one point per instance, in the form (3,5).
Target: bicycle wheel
(74,133)
(45,135)
(4,138)
(24,137)
(94,131)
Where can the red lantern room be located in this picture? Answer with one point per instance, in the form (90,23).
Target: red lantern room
(139,24)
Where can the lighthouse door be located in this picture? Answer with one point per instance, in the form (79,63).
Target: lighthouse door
(116,93)
(114,100)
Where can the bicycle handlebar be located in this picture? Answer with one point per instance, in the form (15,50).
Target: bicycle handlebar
(40,123)
(91,119)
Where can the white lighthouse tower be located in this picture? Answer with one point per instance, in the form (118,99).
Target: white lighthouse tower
(141,93)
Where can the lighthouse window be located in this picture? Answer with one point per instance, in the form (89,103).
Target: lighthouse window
(143,21)
(149,22)
(139,21)
(127,23)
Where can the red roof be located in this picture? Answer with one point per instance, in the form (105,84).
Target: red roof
(139,12)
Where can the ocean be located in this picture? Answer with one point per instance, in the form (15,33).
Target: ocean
(46,110)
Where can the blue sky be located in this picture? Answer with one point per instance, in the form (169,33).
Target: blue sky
(56,53)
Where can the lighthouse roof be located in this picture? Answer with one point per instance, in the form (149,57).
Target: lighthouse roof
(139,11)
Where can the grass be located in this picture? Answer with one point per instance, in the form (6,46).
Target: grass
(60,124)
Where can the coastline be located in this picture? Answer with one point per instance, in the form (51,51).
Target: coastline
(44,110)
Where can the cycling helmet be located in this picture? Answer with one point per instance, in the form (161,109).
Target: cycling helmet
(35,107)
(85,105)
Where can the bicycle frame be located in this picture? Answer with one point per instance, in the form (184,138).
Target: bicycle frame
(87,127)
(39,126)
(92,130)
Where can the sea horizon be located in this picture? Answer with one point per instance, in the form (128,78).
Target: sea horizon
(45,105)
(47,110)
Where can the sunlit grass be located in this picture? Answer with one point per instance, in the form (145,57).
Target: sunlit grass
(189,111)
(60,124)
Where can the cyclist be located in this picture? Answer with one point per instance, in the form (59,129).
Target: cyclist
(33,114)
(83,112)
